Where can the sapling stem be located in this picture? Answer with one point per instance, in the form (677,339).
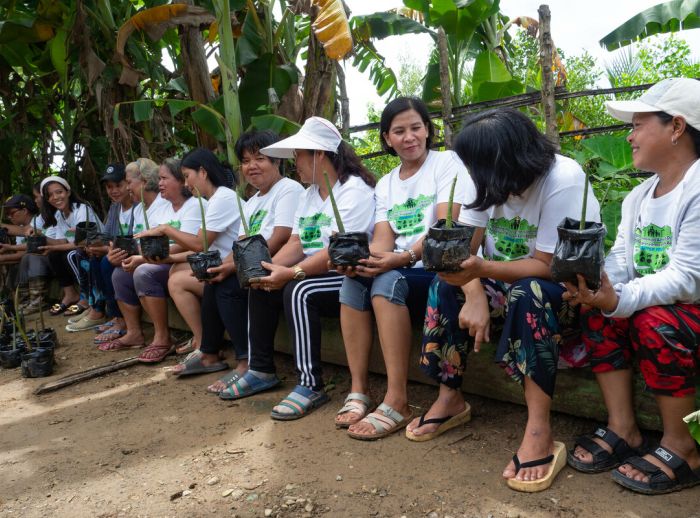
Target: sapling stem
(18,320)
(205,241)
(246,228)
(41,312)
(448,217)
(145,215)
(582,223)
(339,221)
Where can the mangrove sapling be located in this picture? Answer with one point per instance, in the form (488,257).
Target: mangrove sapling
(447,243)
(200,262)
(249,252)
(153,247)
(345,248)
(580,248)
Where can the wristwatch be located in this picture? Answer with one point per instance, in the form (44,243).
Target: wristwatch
(413,257)
(299,274)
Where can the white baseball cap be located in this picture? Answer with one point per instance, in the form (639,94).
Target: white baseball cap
(316,133)
(677,96)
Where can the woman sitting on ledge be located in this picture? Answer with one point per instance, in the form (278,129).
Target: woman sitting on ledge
(647,305)
(523,190)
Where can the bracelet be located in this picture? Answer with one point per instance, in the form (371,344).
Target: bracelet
(413,258)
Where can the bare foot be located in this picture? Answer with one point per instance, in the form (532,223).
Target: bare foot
(448,403)
(353,416)
(537,443)
(220,386)
(632,436)
(688,453)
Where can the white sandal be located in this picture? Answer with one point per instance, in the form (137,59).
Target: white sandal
(384,424)
(357,404)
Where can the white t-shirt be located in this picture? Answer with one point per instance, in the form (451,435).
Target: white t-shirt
(529,222)
(314,221)
(653,231)
(222,216)
(274,209)
(125,219)
(160,211)
(37,223)
(65,227)
(410,206)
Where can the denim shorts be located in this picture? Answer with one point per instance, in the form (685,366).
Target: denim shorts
(403,287)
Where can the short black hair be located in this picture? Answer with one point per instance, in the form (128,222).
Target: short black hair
(254,141)
(219,174)
(504,153)
(400,105)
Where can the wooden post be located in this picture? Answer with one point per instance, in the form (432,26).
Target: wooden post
(546,60)
(445,87)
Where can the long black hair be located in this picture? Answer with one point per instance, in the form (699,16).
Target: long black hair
(346,163)
(693,132)
(48,211)
(400,105)
(504,153)
(219,174)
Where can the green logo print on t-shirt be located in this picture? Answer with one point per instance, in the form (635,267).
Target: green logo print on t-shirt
(310,229)
(510,237)
(408,217)
(651,245)
(256,220)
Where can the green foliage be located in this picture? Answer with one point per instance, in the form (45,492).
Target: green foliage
(369,142)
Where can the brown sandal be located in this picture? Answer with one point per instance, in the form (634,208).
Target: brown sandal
(156,353)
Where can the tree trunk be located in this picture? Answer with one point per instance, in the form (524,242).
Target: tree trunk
(319,82)
(548,82)
(445,86)
(344,100)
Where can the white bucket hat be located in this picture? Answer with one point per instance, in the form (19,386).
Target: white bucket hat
(316,133)
(677,96)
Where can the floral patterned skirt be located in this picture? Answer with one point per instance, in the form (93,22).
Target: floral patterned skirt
(530,315)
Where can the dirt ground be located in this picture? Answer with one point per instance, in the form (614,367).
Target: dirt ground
(140,443)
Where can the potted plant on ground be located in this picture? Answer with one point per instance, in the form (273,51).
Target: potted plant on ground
(200,262)
(153,247)
(249,252)
(11,349)
(447,243)
(580,248)
(345,248)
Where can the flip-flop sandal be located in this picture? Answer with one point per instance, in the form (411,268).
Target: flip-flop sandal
(227,379)
(299,403)
(156,353)
(118,345)
(556,461)
(194,365)
(357,404)
(74,310)
(247,385)
(445,423)
(659,482)
(604,460)
(105,327)
(384,424)
(109,335)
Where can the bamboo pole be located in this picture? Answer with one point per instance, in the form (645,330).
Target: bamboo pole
(548,82)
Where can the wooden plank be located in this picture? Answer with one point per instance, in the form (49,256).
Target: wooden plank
(78,377)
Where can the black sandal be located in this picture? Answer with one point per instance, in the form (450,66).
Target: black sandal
(604,460)
(659,482)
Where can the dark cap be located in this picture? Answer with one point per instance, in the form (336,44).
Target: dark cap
(21,201)
(114,173)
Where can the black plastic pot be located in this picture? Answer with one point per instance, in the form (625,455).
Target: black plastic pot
(97,239)
(347,248)
(126,243)
(83,230)
(579,251)
(444,249)
(201,261)
(38,363)
(155,247)
(248,253)
(34,242)
(11,358)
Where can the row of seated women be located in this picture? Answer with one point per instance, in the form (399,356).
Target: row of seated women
(514,189)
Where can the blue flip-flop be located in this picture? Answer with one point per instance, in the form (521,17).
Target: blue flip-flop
(247,385)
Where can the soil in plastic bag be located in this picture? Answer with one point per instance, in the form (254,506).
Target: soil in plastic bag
(201,261)
(155,247)
(248,253)
(97,239)
(444,249)
(34,242)
(83,230)
(347,248)
(579,251)
(38,363)
(11,358)
(126,243)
